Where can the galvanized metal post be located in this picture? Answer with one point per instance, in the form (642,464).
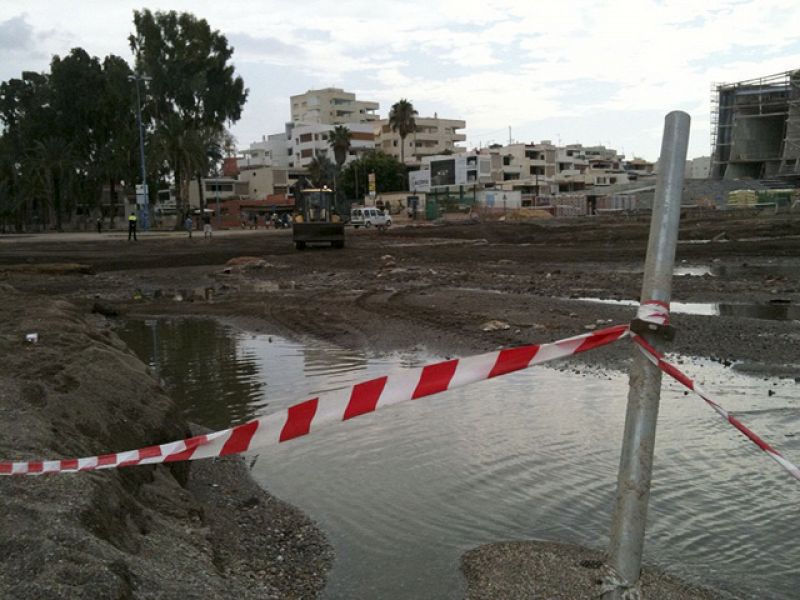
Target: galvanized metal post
(636,461)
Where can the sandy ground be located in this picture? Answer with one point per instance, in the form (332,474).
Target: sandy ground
(435,287)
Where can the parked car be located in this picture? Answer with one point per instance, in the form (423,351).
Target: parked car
(367,216)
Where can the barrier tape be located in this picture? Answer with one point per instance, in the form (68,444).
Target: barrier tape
(654,311)
(368,396)
(340,405)
(657,359)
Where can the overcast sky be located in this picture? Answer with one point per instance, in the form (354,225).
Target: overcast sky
(573,72)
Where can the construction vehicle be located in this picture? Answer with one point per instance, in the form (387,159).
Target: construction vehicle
(317,221)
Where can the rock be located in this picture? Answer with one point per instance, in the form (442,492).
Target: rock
(495,325)
(104,309)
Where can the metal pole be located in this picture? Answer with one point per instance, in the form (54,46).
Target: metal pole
(136,79)
(636,460)
(216,187)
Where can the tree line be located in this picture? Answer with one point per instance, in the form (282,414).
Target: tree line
(72,133)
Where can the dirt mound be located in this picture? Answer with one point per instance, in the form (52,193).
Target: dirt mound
(142,532)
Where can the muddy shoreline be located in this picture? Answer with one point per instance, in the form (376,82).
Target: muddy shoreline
(437,287)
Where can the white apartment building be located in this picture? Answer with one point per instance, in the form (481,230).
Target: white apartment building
(433,136)
(271,151)
(310,140)
(331,106)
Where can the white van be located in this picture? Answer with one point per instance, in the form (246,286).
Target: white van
(367,216)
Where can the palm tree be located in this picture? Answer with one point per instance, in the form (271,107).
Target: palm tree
(321,171)
(340,143)
(401,120)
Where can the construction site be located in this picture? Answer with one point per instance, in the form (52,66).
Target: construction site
(755,127)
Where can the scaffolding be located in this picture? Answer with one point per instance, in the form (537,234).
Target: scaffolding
(755,127)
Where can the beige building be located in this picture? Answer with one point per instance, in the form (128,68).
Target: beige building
(433,136)
(544,168)
(331,106)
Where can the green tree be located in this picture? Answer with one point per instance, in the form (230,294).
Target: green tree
(117,131)
(401,120)
(321,171)
(390,174)
(26,116)
(193,91)
(339,141)
(52,166)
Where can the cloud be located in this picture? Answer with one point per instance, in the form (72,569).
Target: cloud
(266,48)
(543,68)
(16,34)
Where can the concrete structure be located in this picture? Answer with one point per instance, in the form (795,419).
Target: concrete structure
(756,128)
(639,167)
(331,106)
(698,168)
(433,136)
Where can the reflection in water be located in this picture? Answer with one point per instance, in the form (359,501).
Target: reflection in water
(403,493)
(200,354)
(772,311)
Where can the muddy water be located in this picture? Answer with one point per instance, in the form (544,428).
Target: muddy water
(404,492)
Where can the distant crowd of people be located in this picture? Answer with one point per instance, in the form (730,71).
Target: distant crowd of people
(274,220)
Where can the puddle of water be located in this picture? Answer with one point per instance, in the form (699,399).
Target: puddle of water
(690,271)
(404,492)
(774,311)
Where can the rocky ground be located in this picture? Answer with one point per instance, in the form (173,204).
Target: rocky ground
(439,287)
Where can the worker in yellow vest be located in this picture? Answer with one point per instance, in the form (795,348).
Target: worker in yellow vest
(132,226)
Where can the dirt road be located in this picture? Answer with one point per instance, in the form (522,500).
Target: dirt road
(438,286)
(453,289)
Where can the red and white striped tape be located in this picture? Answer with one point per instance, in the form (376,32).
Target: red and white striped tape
(339,405)
(657,359)
(368,396)
(653,311)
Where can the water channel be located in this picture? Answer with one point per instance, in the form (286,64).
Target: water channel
(402,493)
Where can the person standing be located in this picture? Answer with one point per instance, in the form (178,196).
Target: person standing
(132,226)
(207,231)
(188,224)
(99,224)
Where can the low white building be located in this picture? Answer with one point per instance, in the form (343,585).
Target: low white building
(272,151)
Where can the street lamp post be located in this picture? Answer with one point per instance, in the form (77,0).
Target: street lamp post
(141,200)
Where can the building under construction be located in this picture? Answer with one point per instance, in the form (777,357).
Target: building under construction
(755,129)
